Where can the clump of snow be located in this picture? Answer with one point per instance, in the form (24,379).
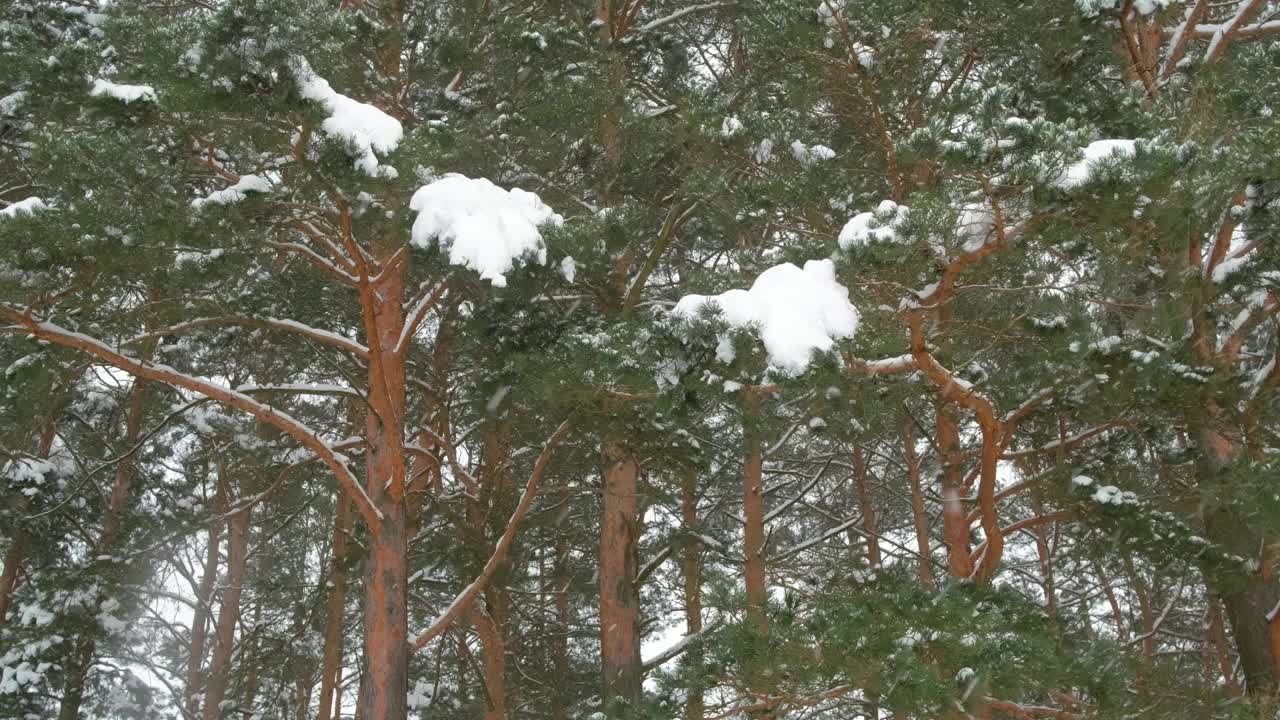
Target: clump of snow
(186,259)
(974,225)
(796,311)
(1096,154)
(234,193)
(483,226)
(126,94)
(730,127)
(9,103)
(1112,495)
(1082,481)
(364,128)
(569,268)
(28,206)
(764,151)
(809,156)
(879,226)
(1090,8)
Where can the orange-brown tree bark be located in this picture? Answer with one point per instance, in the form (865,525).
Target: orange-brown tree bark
(869,524)
(619,601)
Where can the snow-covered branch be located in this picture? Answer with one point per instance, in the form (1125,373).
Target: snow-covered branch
(309,439)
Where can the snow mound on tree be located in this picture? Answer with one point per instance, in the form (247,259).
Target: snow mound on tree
(483,226)
(363,127)
(796,311)
(28,206)
(124,93)
(234,193)
(870,227)
(1096,154)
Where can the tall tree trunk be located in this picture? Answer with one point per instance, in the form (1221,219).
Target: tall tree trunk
(331,662)
(919,519)
(204,605)
(869,523)
(251,675)
(81,658)
(619,601)
(694,706)
(955,522)
(753,514)
(492,625)
(493,642)
(560,638)
(383,695)
(228,613)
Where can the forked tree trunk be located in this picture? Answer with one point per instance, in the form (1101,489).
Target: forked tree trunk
(619,602)
(228,613)
(204,605)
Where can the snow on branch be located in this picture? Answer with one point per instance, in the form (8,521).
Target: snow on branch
(324,337)
(58,335)
(127,94)
(363,127)
(679,647)
(683,12)
(796,311)
(482,226)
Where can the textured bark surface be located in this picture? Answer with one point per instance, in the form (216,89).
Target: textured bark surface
(619,602)
(384,692)
(955,523)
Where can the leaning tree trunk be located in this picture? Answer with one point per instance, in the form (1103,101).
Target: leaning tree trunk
(204,605)
(228,613)
(331,662)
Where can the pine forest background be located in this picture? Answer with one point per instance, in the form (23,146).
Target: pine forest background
(644,359)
